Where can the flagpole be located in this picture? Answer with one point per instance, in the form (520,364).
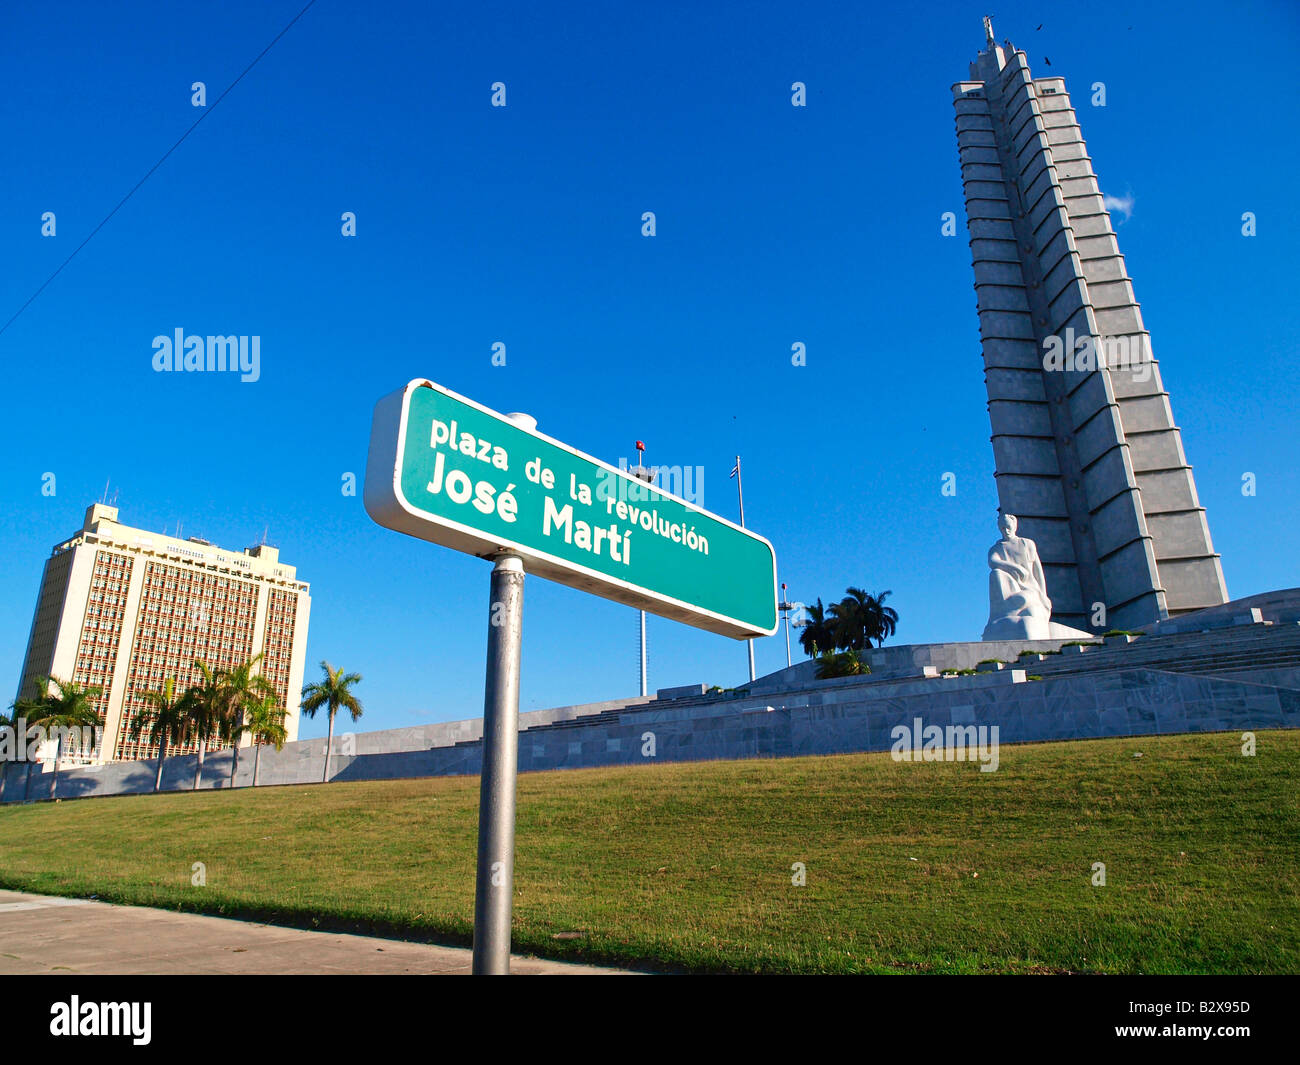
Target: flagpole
(740,491)
(785,610)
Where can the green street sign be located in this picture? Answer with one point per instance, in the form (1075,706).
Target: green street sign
(450,471)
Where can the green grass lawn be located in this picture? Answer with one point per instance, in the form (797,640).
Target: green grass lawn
(927,867)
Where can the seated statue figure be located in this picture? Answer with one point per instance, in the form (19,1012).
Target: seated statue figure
(1019,608)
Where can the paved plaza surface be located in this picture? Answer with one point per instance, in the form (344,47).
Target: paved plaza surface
(45,934)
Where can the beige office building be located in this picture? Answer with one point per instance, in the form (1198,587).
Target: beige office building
(123,609)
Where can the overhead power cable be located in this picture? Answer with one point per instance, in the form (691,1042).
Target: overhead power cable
(134,188)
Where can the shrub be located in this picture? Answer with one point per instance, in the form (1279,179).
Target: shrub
(843,664)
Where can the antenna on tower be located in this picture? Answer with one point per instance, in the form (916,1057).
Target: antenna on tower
(988,29)
(104,497)
(265,530)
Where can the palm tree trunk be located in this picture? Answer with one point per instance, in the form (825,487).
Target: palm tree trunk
(257,763)
(58,750)
(329,746)
(198,766)
(234,762)
(162,754)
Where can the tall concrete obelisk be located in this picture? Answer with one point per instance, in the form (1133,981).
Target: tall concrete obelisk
(1087,456)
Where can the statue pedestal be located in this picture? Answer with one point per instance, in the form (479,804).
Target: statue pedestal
(1032,628)
(1026,627)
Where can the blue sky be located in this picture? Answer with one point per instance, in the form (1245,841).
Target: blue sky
(522,225)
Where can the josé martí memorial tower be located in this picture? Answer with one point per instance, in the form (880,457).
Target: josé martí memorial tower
(1088,456)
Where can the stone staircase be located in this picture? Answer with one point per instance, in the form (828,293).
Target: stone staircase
(1246,667)
(1261,651)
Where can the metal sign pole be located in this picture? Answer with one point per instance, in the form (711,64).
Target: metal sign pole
(641,473)
(494,885)
(643,659)
(740,491)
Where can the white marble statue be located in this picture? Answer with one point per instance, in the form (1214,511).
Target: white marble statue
(1019,608)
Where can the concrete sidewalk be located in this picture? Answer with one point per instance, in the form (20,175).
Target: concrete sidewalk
(46,934)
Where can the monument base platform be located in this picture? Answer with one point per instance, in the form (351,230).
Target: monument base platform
(1234,668)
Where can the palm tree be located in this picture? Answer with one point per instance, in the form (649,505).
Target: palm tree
(266,724)
(852,620)
(334,691)
(9,721)
(884,619)
(60,705)
(169,720)
(204,711)
(20,708)
(816,635)
(861,618)
(25,709)
(241,689)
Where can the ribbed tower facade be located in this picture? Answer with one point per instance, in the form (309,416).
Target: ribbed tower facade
(1086,450)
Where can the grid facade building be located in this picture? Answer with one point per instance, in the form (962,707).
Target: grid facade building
(123,610)
(1087,452)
